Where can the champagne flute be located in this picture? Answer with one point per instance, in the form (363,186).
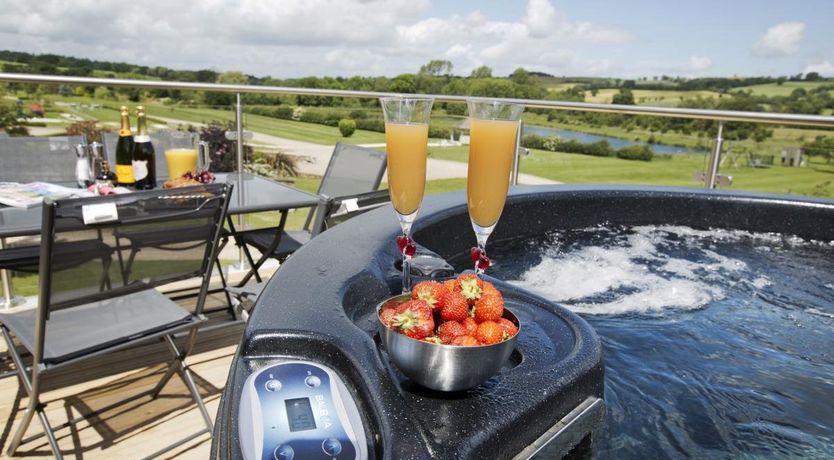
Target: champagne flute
(406,141)
(493,126)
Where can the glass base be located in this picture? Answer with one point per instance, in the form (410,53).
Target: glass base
(406,221)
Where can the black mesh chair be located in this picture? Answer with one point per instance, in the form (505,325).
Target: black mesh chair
(43,159)
(334,211)
(79,318)
(352,170)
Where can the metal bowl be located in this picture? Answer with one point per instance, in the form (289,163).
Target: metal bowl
(445,367)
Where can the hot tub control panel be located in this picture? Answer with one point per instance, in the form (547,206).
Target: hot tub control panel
(299,410)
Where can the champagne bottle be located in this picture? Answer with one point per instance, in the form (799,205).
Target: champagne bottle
(124,151)
(144,161)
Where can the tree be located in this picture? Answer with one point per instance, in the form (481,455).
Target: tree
(405,83)
(520,76)
(624,97)
(813,76)
(225,99)
(436,67)
(347,127)
(481,72)
(9,123)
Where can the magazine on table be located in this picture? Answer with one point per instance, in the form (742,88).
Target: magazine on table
(32,194)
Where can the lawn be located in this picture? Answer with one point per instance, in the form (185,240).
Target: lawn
(785,89)
(661,98)
(817,179)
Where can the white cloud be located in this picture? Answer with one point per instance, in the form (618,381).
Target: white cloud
(824,68)
(698,63)
(780,40)
(306,37)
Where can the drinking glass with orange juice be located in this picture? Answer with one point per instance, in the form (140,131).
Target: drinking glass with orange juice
(181,154)
(493,128)
(406,141)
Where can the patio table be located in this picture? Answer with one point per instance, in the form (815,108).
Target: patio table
(251,194)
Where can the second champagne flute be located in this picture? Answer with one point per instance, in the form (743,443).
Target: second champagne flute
(406,141)
(493,127)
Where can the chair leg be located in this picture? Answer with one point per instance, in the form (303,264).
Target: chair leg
(225,292)
(47,429)
(34,408)
(179,364)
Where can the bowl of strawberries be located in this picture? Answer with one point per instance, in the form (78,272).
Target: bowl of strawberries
(448,336)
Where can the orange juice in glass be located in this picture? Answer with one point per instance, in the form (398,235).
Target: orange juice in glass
(180,161)
(406,139)
(493,130)
(406,145)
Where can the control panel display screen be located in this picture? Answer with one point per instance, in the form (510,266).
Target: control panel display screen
(300,414)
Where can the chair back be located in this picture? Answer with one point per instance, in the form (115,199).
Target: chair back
(352,170)
(338,210)
(159,237)
(161,141)
(41,159)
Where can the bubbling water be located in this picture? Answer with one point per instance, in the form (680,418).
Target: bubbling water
(717,343)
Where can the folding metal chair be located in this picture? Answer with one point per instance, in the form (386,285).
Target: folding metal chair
(352,170)
(333,212)
(43,159)
(78,318)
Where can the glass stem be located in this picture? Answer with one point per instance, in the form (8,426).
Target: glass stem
(406,274)
(481,236)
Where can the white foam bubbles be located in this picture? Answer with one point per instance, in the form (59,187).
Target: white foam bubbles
(637,274)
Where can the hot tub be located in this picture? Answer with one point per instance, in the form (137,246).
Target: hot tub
(319,309)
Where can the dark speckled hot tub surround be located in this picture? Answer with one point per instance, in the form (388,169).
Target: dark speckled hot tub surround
(319,306)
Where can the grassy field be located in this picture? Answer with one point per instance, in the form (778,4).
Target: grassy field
(817,179)
(665,98)
(785,89)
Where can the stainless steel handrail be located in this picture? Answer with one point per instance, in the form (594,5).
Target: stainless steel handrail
(674,112)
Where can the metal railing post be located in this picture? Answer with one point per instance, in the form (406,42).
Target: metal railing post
(714,159)
(241,218)
(517,156)
(9,299)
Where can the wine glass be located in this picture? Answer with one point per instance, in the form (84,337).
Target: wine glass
(406,141)
(493,127)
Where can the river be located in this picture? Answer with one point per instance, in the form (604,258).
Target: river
(616,142)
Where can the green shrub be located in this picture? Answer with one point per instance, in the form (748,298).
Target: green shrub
(371,124)
(347,127)
(455,108)
(635,152)
(533,141)
(439,132)
(358,114)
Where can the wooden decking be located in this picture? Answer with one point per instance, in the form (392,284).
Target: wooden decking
(134,429)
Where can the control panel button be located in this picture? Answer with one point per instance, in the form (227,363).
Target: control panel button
(273,385)
(331,446)
(312,381)
(284,452)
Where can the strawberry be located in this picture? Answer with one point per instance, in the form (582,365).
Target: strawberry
(433,339)
(465,341)
(455,307)
(510,329)
(449,330)
(429,292)
(414,319)
(471,325)
(489,308)
(470,286)
(489,288)
(387,316)
(451,285)
(489,332)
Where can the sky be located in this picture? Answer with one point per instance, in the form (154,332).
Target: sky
(295,38)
